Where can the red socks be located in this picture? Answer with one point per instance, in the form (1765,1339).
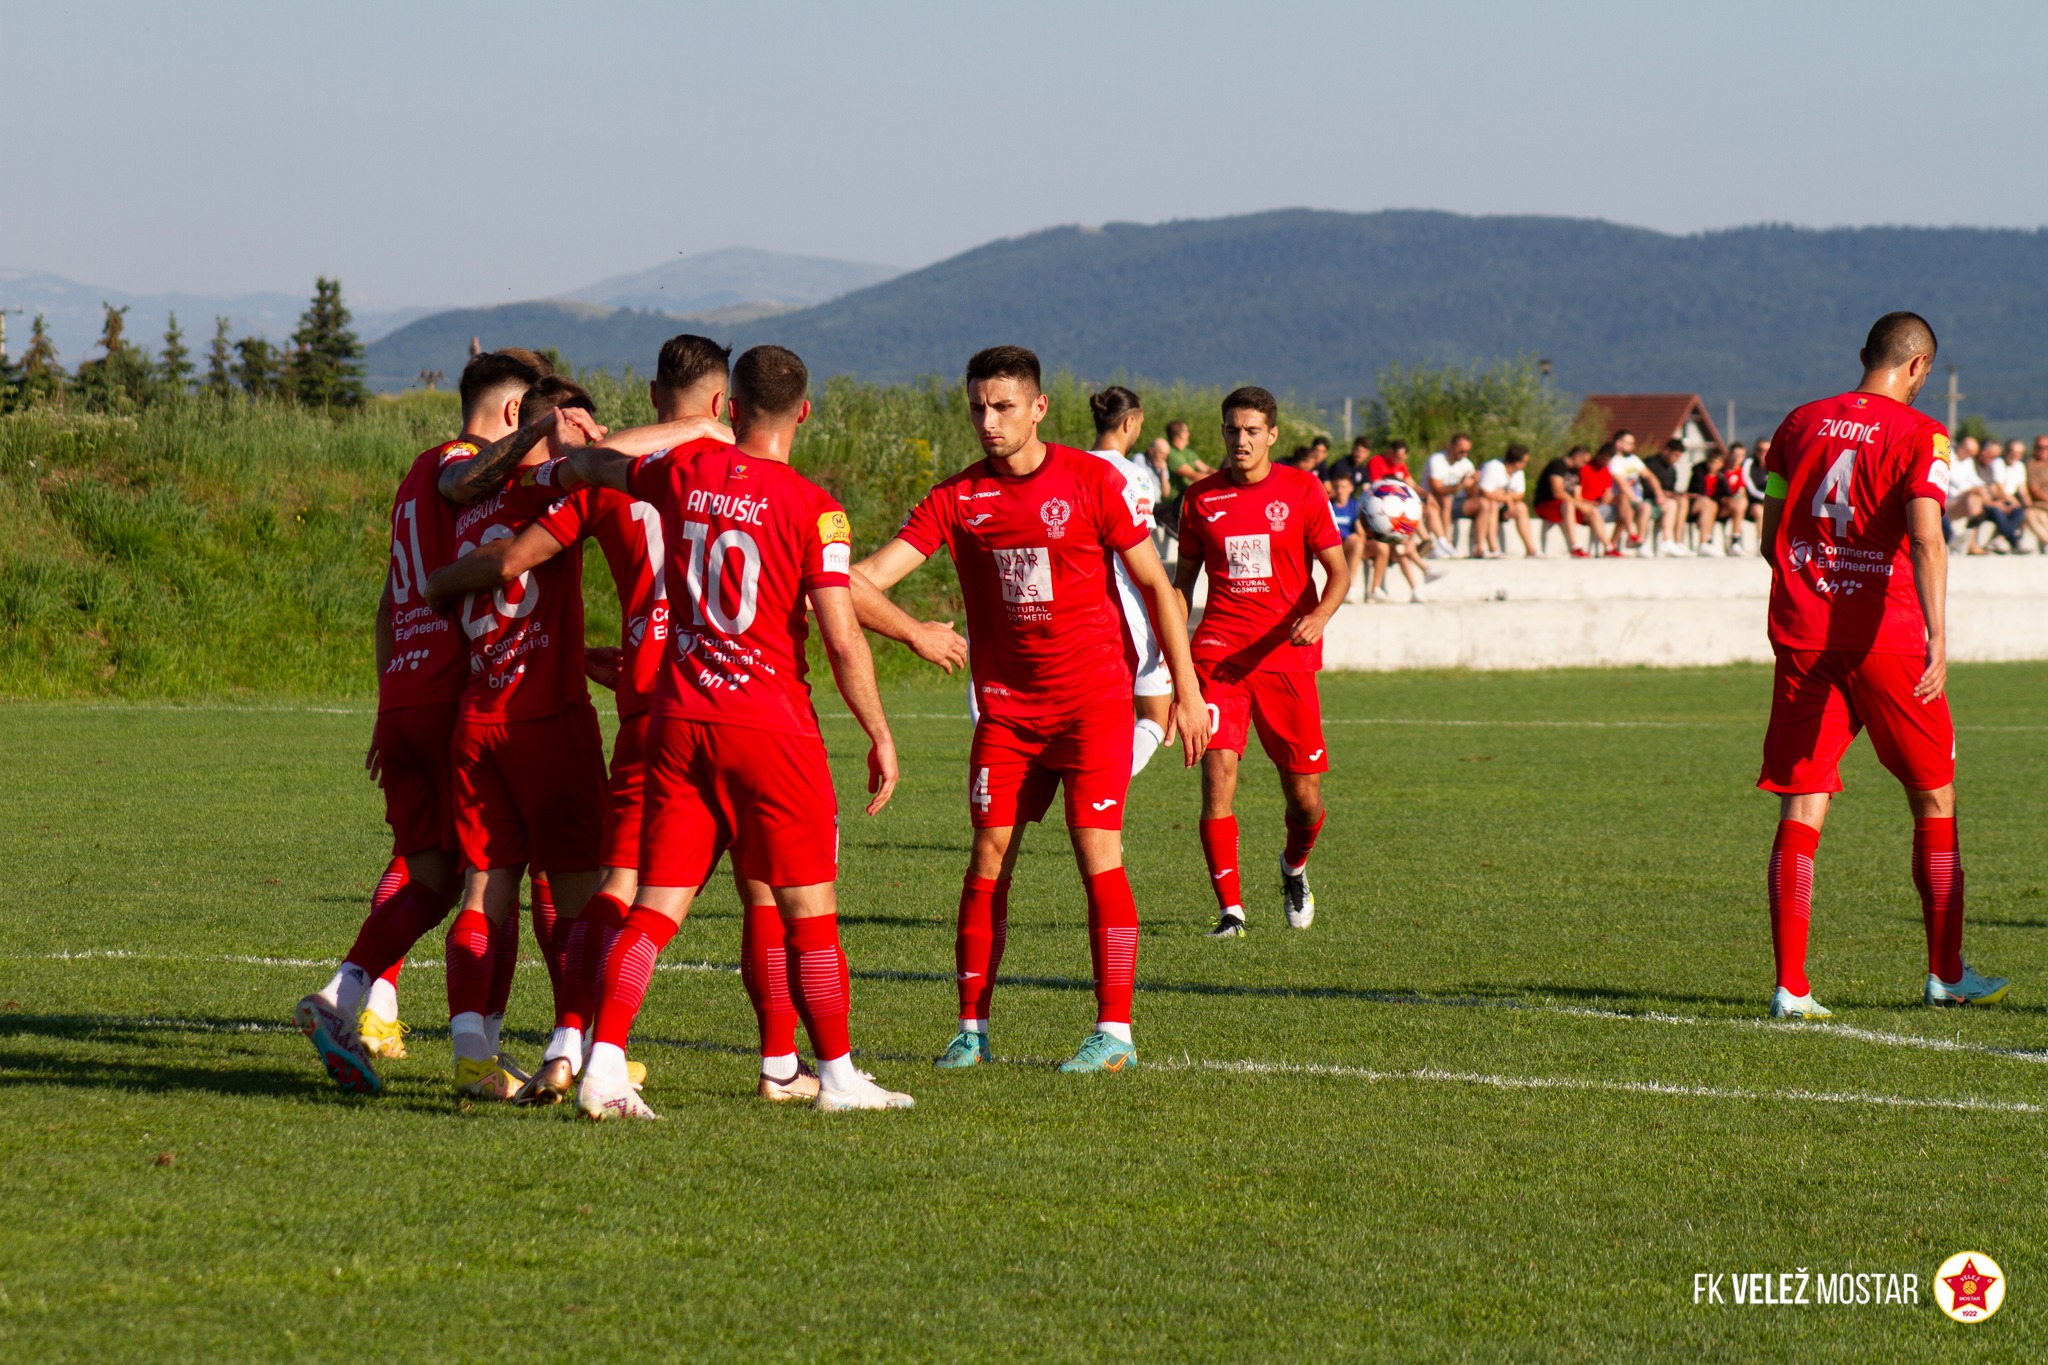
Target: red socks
(764,969)
(1938,873)
(1790,880)
(583,953)
(818,981)
(1113,940)
(984,927)
(551,934)
(1219,846)
(1300,839)
(469,964)
(390,884)
(628,967)
(393,927)
(504,961)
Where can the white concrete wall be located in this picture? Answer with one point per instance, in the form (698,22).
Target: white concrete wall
(1504,614)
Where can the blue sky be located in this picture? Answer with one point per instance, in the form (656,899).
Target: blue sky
(453,153)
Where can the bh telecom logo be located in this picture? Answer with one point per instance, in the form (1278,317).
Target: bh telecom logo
(1969,1287)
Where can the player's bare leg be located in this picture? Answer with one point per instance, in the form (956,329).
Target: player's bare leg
(980,934)
(1938,876)
(1382,555)
(1519,510)
(819,986)
(1113,946)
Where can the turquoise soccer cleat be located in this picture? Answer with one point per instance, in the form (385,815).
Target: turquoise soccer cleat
(968,1048)
(1102,1052)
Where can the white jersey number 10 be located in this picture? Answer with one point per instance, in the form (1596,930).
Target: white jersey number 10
(707,590)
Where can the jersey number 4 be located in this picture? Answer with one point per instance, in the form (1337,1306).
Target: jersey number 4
(1831,499)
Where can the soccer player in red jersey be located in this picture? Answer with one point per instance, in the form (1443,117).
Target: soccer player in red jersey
(734,754)
(1854,491)
(1032,530)
(1260,529)
(422,666)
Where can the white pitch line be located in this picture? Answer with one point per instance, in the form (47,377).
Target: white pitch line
(1845,1032)
(1677,1090)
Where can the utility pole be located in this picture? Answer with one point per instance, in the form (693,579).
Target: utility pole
(3,331)
(1728,431)
(1955,396)
(1347,402)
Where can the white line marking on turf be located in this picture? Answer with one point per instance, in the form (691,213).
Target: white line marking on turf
(1846,1032)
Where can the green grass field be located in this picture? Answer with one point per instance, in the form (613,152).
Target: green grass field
(1505,1100)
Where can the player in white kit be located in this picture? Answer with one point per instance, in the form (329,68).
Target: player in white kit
(1119,418)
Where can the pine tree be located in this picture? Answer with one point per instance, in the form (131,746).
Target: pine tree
(42,373)
(325,367)
(257,369)
(176,363)
(220,361)
(119,378)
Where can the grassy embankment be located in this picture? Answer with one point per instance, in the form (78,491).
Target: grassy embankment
(210,549)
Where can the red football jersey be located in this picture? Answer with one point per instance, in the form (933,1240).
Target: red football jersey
(1842,567)
(1387,467)
(746,539)
(1045,633)
(526,639)
(429,658)
(1259,543)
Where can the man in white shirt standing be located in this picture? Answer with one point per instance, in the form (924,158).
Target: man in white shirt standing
(1503,488)
(1448,474)
(1119,418)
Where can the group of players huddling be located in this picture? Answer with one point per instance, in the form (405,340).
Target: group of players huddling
(490,757)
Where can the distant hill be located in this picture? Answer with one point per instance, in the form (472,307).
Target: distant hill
(732,276)
(76,318)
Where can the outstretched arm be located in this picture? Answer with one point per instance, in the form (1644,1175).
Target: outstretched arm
(1930,580)
(853,668)
(491,566)
(936,642)
(1336,583)
(891,564)
(465,481)
(1170,623)
(608,460)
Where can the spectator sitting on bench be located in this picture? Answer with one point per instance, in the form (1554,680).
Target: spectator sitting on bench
(1447,474)
(1632,502)
(1503,488)
(2037,493)
(1751,470)
(1664,501)
(1346,509)
(1597,486)
(1391,463)
(1965,507)
(2002,507)
(1558,501)
(1716,495)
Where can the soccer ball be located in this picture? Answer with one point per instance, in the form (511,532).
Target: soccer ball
(1393,512)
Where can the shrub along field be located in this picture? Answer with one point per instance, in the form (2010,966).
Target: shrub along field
(214,547)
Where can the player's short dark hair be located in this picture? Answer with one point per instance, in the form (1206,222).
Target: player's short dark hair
(1253,398)
(1514,452)
(1396,443)
(1176,428)
(1578,450)
(1895,339)
(492,371)
(550,392)
(1112,405)
(1005,362)
(771,380)
(1319,440)
(1619,432)
(1675,446)
(1456,437)
(688,358)
(1738,446)
(543,362)
(1361,443)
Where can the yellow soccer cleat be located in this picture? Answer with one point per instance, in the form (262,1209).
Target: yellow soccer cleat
(481,1078)
(636,1074)
(383,1038)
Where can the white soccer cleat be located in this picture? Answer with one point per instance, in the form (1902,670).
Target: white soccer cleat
(601,1103)
(1785,1005)
(862,1094)
(1971,990)
(1301,902)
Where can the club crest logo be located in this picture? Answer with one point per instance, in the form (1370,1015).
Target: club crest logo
(1054,513)
(636,630)
(1276,514)
(1801,554)
(685,642)
(1969,1287)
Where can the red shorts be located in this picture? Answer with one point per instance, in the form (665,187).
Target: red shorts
(764,794)
(1014,766)
(1552,512)
(624,792)
(1285,708)
(531,791)
(1821,698)
(415,756)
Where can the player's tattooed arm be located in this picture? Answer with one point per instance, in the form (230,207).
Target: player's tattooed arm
(489,567)
(1336,583)
(853,668)
(1930,580)
(466,481)
(1170,622)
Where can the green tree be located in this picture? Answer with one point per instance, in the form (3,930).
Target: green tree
(1496,404)
(258,368)
(175,364)
(120,377)
(41,373)
(220,362)
(1973,426)
(325,366)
